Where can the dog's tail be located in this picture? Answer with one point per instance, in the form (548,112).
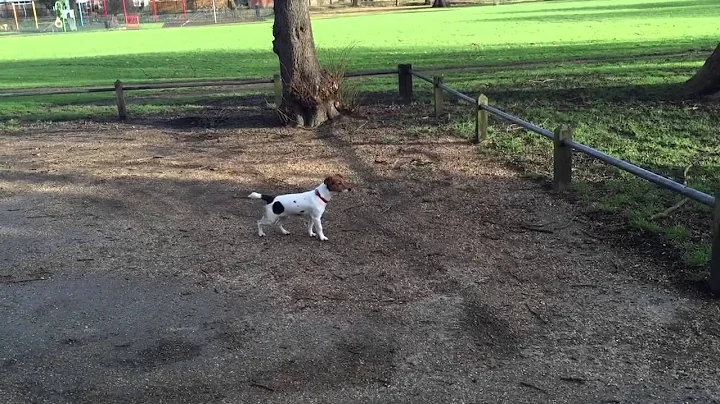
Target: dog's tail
(266,198)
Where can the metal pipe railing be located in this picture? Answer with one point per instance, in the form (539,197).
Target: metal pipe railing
(525,124)
(167,85)
(458,94)
(657,179)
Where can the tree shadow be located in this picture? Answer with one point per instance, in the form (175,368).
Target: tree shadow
(661,5)
(105,70)
(699,9)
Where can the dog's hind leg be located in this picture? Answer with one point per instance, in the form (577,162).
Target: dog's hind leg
(280,225)
(265,220)
(260,223)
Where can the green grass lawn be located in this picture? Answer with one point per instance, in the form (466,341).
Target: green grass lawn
(636,52)
(462,35)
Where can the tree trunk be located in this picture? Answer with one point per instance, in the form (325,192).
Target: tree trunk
(707,80)
(310,93)
(440,3)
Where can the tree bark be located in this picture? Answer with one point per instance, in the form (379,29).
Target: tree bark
(440,3)
(706,81)
(310,93)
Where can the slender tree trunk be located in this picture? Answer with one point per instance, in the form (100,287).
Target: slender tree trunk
(310,93)
(707,80)
(440,3)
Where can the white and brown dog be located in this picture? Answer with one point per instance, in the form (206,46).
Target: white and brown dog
(310,205)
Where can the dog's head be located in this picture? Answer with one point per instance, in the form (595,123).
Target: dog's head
(336,183)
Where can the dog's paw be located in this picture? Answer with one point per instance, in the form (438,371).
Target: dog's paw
(285,232)
(323,238)
(313,234)
(261,234)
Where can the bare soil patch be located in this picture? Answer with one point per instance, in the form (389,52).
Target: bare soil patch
(132,272)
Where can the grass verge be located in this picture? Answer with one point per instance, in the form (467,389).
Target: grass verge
(626,110)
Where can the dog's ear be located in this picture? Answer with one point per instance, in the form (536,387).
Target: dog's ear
(329,181)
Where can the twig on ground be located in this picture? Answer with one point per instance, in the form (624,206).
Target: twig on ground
(532,386)
(678,205)
(541,81)
(583,285)
(571,379)
(41,278)
(566,225)
(262,386)
(513,127)
(536,314)
(381,380)
(333,298)
(535,228)
(360,127)
(515,276)
(353,207)
(592,236)
(669,210)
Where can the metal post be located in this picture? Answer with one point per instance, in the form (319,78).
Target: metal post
(17,24)
(154,4)
(35,15)
(562,159)
(125,12)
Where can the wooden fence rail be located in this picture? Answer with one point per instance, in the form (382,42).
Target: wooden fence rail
(121,87)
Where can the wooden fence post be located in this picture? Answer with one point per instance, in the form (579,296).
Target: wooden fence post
(405,82)
(122,110)
(715,252)
(562,159)
(277,85)
(481,121)
(438,92)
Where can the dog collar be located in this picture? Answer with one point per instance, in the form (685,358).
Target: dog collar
(320,196)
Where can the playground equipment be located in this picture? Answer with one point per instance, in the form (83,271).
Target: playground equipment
(65,16)
(21,5)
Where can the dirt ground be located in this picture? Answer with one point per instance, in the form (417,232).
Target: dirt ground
(131,272)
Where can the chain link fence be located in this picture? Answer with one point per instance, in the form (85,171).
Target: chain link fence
(21,18)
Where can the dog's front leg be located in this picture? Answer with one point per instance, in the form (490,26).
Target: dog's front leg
(318,226)
(310,225)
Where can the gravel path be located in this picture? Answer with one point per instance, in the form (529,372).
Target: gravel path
(131,272)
